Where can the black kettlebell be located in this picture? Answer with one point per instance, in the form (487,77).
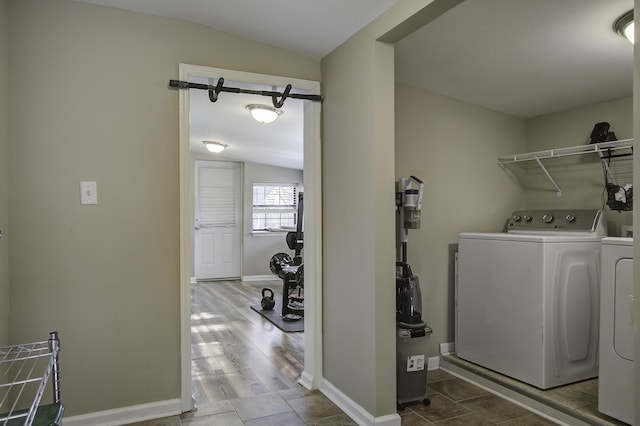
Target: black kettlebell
(267,301)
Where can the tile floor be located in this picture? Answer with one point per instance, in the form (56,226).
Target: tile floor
(457,402)
(578,400)
(453,402)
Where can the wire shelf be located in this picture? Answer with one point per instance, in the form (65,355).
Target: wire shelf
(604,150)
(25,370)
(599,148)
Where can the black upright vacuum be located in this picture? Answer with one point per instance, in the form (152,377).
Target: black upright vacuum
(411,330)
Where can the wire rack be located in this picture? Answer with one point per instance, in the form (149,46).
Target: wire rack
(25,370)
(605,150)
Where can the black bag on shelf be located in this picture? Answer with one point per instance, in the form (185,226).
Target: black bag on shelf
(601,133)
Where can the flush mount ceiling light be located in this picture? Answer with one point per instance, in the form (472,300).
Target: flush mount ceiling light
(264,113)
(215,147)
(624,25)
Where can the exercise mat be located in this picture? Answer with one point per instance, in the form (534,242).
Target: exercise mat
(275,318)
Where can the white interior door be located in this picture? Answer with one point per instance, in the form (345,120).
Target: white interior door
(217,227)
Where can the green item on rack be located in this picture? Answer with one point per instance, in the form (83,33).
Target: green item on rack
(46,415)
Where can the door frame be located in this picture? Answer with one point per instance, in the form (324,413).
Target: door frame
(312,180)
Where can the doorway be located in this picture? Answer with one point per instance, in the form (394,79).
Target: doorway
(312,374)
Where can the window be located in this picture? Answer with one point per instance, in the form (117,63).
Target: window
(274,205)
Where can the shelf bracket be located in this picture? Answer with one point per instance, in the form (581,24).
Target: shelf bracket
(551,179)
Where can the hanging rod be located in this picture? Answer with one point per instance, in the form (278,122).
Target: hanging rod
(277,98)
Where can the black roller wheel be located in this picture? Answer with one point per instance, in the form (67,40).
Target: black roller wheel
(426,401)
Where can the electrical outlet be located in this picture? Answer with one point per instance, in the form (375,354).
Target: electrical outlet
(88,193)
(415,363)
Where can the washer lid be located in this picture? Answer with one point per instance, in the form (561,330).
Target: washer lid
(537,237)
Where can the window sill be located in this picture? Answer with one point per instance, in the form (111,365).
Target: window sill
(268,233)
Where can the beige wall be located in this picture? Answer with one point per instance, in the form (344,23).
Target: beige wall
(349,224)
(452,146)
(4,179)
(89,101)
(358,214)
(580,178)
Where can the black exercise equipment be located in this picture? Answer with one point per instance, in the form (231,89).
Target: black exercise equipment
(267,301)
(291,271)
(277,98)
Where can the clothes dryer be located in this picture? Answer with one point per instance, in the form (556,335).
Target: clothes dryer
(616,391)
(528,299)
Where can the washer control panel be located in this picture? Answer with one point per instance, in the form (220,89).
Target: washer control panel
(555,220)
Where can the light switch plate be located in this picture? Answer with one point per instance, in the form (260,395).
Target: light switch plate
(88,193)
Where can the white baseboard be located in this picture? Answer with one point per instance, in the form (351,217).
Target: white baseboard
(248,278)
(306,380)
(447,348)
(125,415)
(433,363)
(355,411)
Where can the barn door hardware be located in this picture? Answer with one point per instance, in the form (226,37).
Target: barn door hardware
(277,98)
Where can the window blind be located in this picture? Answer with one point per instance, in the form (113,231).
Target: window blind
(217,197)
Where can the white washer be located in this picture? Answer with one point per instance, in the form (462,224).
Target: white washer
(528,299)
(615,393)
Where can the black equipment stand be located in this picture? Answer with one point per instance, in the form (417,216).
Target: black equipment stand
(291,271)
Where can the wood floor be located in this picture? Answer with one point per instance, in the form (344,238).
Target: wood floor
(235,352)
(245,370)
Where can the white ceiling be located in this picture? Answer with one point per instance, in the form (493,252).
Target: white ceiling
(521,57)
(228,121)
(309,27)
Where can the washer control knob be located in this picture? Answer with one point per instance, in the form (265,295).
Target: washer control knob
(516,218)
(547,218)
(570,218)
(528,218)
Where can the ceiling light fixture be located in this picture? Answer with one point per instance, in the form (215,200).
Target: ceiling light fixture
(215,147)
(264,113)
(624,26)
